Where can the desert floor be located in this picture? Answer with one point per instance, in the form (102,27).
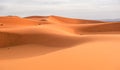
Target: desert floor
(58,43)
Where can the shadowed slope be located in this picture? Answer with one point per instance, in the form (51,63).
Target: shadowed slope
(41,19)
(43,35)
(98,28)
(8,39)
(35,42)
(36,17)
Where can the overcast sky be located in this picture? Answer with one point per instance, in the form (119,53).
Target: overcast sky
(88,9)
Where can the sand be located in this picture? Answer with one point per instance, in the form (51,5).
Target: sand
(58,43)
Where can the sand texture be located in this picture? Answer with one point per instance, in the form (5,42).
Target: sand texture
(58,43)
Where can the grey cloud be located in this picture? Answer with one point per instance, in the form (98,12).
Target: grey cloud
(40,2)
(70,8)
(2,8)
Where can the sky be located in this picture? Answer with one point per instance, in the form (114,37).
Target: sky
(85,9)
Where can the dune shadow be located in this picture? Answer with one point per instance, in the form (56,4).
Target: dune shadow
(30,45)
(9,39)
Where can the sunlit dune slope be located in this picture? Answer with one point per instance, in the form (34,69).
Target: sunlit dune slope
(16,21)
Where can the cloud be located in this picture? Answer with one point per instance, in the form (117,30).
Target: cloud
(72,8)
(1,8)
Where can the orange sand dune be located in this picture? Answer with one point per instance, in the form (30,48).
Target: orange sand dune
(58,43)
(36,17)
(16,21)
(112,27)
(37,34)
(40,18)
(7,39)
(57,19)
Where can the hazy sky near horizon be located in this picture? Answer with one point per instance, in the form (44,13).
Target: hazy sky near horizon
(90,9)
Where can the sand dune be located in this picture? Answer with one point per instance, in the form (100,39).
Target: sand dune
(38,35)
(103,28)
(17,21)
(37,17)
(57,19)
(58,43)
(40,18)
(7,39)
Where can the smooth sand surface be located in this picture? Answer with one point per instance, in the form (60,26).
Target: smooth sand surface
(58,43)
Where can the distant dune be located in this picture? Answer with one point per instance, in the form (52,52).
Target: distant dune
(58,19)
(17,21)
(58,43)
(37,17)
(112,20)
(101,28)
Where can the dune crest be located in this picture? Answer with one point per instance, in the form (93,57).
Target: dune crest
(59,19)
(17,21)
(103,28)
